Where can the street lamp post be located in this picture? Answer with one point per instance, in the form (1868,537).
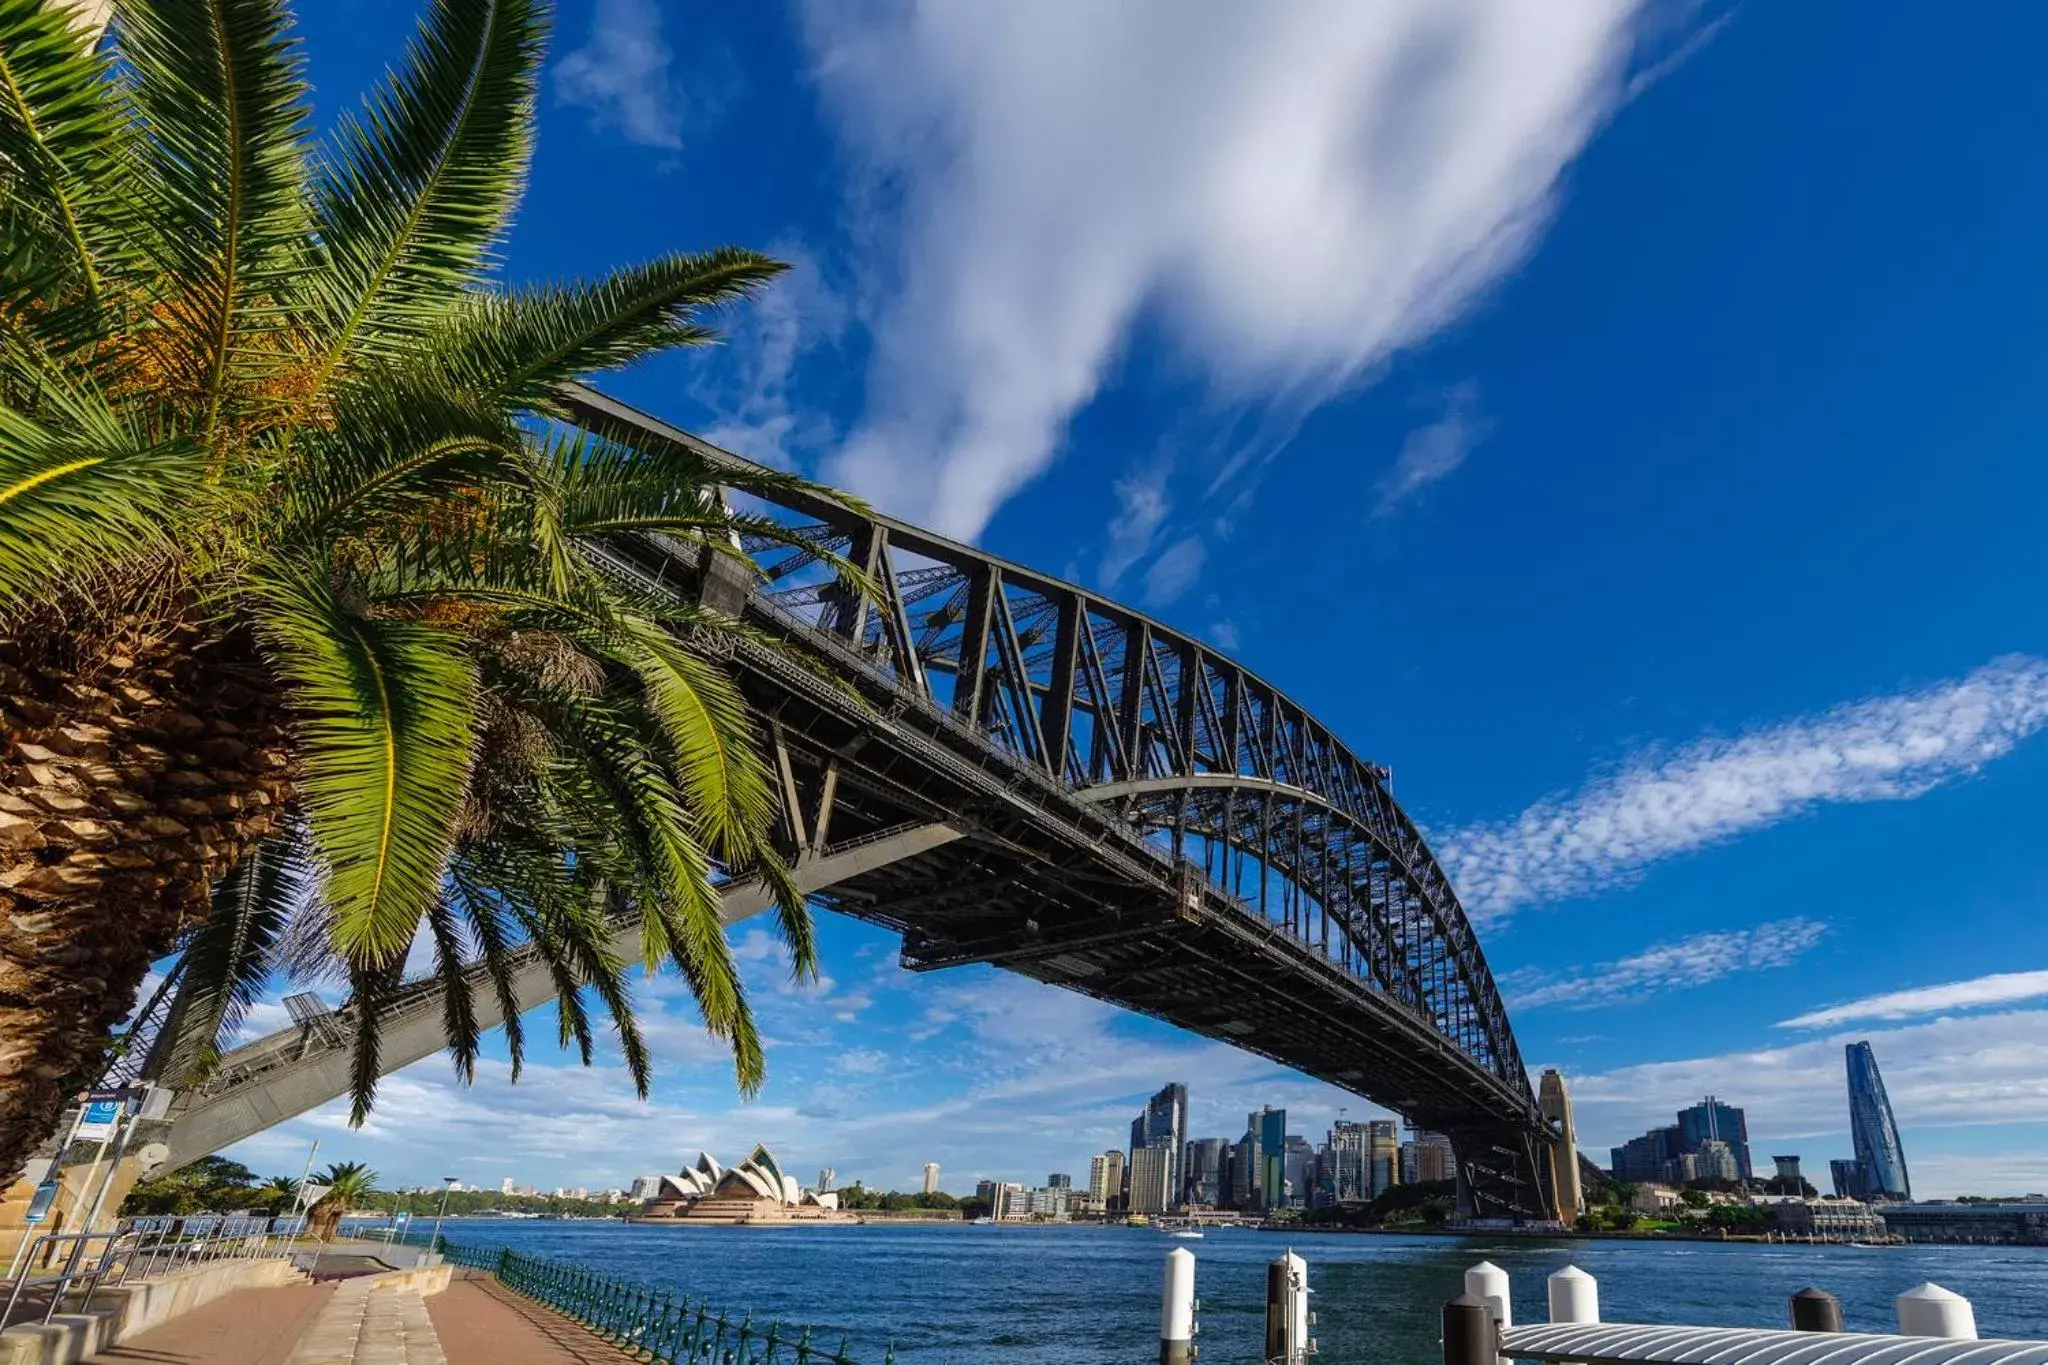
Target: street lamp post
(449,1182)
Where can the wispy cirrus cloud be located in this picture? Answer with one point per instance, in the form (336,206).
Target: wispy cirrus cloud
(621,75)
(1691,961)
(2002,988)
(1659,805)
(1434,451)
(1292,192)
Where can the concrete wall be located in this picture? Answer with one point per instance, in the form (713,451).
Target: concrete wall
(15,1198)
(125,1310)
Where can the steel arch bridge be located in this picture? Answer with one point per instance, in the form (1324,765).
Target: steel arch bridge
(1027,774)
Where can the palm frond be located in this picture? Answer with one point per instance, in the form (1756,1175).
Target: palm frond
(84,495)
(229,959)
(393,447)
(519,346)
(220,93)
(385,730)
(62,141)
(418,189)
(710,738)
(485,920)
(458,1009)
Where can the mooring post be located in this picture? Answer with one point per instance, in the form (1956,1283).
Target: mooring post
(1287,1315)
(1177,1309)
(1816,1310)
(1574,1296)
(1470,1338)
(1488,1283)
(1928,1310)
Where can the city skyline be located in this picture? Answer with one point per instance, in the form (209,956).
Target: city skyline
(1579,722)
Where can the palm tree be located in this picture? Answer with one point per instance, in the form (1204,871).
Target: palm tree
(277,1195)
(346,1182)
(304,593)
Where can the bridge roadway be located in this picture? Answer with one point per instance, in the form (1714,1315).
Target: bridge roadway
(1028,775)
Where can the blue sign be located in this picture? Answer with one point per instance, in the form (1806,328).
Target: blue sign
(39,1204)
(98,1119)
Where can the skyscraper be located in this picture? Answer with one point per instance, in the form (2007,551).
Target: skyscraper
(1880,1160)
(1152,1180)
(931,1177)
(1271,1126)
(1712,1120)
(1353,1174)
(1163,1125)
(1244,1171)
(1383,1149)
(1554,1101)
(1204,1175)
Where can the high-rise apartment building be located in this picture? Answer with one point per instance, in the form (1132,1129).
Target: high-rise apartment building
(1383,1156)
(1715,1160)
(1711,1120)
(1152,1171)
(1204,1164)
(1105,1182)
(1880,1159)
(931,1177)
(1059,1180)
(1299,1160)
(1554,1102)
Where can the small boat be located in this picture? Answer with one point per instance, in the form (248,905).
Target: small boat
(1186,1232)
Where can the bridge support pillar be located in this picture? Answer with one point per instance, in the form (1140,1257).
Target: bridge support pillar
(1504,1173)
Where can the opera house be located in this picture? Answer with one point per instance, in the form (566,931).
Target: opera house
(755,1192)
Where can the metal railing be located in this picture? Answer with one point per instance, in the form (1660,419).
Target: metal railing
(60,1264)
(653,1326)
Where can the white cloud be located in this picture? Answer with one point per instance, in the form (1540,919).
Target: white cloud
(1141,507)
(752,410)
(1434,451)
(2003,988)
(1293,192)
(621,75)
(1692,961)
(1175,571)
(1886,749)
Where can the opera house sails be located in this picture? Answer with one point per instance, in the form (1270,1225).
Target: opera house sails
(755,1191)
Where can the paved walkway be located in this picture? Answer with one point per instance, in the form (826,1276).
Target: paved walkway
(483,1323)
(247,1327)
(365,1325)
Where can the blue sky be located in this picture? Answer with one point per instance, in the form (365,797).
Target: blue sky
(1620,419)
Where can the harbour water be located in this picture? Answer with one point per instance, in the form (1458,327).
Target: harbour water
(1085,1295)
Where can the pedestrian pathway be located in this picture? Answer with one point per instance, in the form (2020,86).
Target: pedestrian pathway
(483,1323)
(247,1327)
(363,1324)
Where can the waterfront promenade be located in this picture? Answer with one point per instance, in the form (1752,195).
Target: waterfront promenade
(353,1320)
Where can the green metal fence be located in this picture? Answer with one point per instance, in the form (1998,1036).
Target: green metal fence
(647,1325)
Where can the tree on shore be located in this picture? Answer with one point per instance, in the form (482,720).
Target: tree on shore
(308,632)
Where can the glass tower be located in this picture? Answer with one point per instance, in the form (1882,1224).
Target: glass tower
(1880,1161)
(1163,1124)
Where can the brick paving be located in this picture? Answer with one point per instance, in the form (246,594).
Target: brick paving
(483,1323)
(247,1327)
(366,1325)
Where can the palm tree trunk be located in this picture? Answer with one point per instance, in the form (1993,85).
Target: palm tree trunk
(138,763)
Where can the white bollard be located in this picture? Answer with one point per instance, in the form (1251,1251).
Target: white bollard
(1928,1310)
(1287,1315)
(1574,1296)
(1177,1308)
(1488,1283)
